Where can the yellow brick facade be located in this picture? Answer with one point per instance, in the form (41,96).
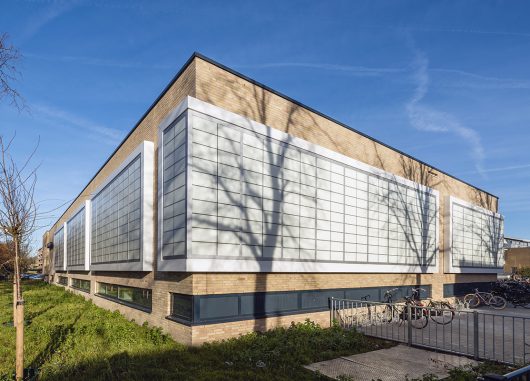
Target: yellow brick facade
(210,83)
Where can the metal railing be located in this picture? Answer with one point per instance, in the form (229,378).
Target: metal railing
(481,335)
(522,374)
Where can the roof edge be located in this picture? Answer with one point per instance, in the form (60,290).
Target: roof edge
(265,87)
(286,97)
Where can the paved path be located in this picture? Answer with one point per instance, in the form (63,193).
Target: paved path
(392,364)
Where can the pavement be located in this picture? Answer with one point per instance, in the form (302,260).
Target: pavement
(397,363)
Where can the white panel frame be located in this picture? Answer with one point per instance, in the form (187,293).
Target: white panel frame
(448,235)
(191,264)
(147,151)
(88,230)
(65,251)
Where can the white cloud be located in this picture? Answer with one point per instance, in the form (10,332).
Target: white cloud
(94,61)
(465,79)
(425,118)
(361,71)
(503,169)
(46,16)
(111,136)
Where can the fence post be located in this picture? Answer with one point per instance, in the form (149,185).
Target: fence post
(475,335)
(331,312)
(409,326)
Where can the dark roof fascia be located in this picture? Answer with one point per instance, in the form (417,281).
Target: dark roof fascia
(517,239)
(265,87)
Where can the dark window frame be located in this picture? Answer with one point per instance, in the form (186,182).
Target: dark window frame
(116,298)
(305,299)
(62,280)
(80,288)
(182,318)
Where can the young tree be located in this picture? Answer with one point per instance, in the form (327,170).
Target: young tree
(17,222)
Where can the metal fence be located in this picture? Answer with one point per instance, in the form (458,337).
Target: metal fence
(522,374)
(481,335)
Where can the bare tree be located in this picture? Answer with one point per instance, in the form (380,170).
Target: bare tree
(9,56)
(17,222)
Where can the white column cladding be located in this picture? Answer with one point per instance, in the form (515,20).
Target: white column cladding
(88,219)
(65,246)
(254,205)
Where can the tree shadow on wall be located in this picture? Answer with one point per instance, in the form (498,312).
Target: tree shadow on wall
(412,213)
(275,195)
(486,233)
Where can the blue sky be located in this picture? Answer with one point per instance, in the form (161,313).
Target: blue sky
(446,81)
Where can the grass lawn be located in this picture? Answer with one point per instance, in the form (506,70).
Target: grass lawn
(70,338)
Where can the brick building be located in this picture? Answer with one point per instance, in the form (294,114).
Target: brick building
(230,207)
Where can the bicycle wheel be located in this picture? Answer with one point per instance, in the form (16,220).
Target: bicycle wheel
(388,314)
(468,298)
(497,302)
(442,314)
(474,301)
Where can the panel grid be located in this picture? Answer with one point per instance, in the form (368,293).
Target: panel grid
(58,249)
(75,240)
(174,190)
(257,197)
(116,217)
(476,238)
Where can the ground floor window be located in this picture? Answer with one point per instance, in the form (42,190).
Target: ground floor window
(63,280)
(81,284)
(135,297)
(182,307)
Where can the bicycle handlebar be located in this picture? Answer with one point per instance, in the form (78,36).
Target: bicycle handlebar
(391,291)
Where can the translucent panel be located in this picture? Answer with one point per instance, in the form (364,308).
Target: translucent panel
(58,249)
(116,217)
(274,200)
(174,182)
(477,237)
(75,240)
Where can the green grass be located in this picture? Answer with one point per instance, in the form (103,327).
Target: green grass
(70,338)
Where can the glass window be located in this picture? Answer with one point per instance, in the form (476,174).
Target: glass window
(81,284)
(63,280)
(182,307)
(140,297)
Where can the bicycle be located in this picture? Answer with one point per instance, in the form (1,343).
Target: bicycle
(487,298)
(439,312)
(418,316)
(515,292)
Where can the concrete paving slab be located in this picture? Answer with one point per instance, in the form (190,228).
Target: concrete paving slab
(392,364)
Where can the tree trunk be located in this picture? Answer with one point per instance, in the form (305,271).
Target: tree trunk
(20,342)
(14,301)
(19,317)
